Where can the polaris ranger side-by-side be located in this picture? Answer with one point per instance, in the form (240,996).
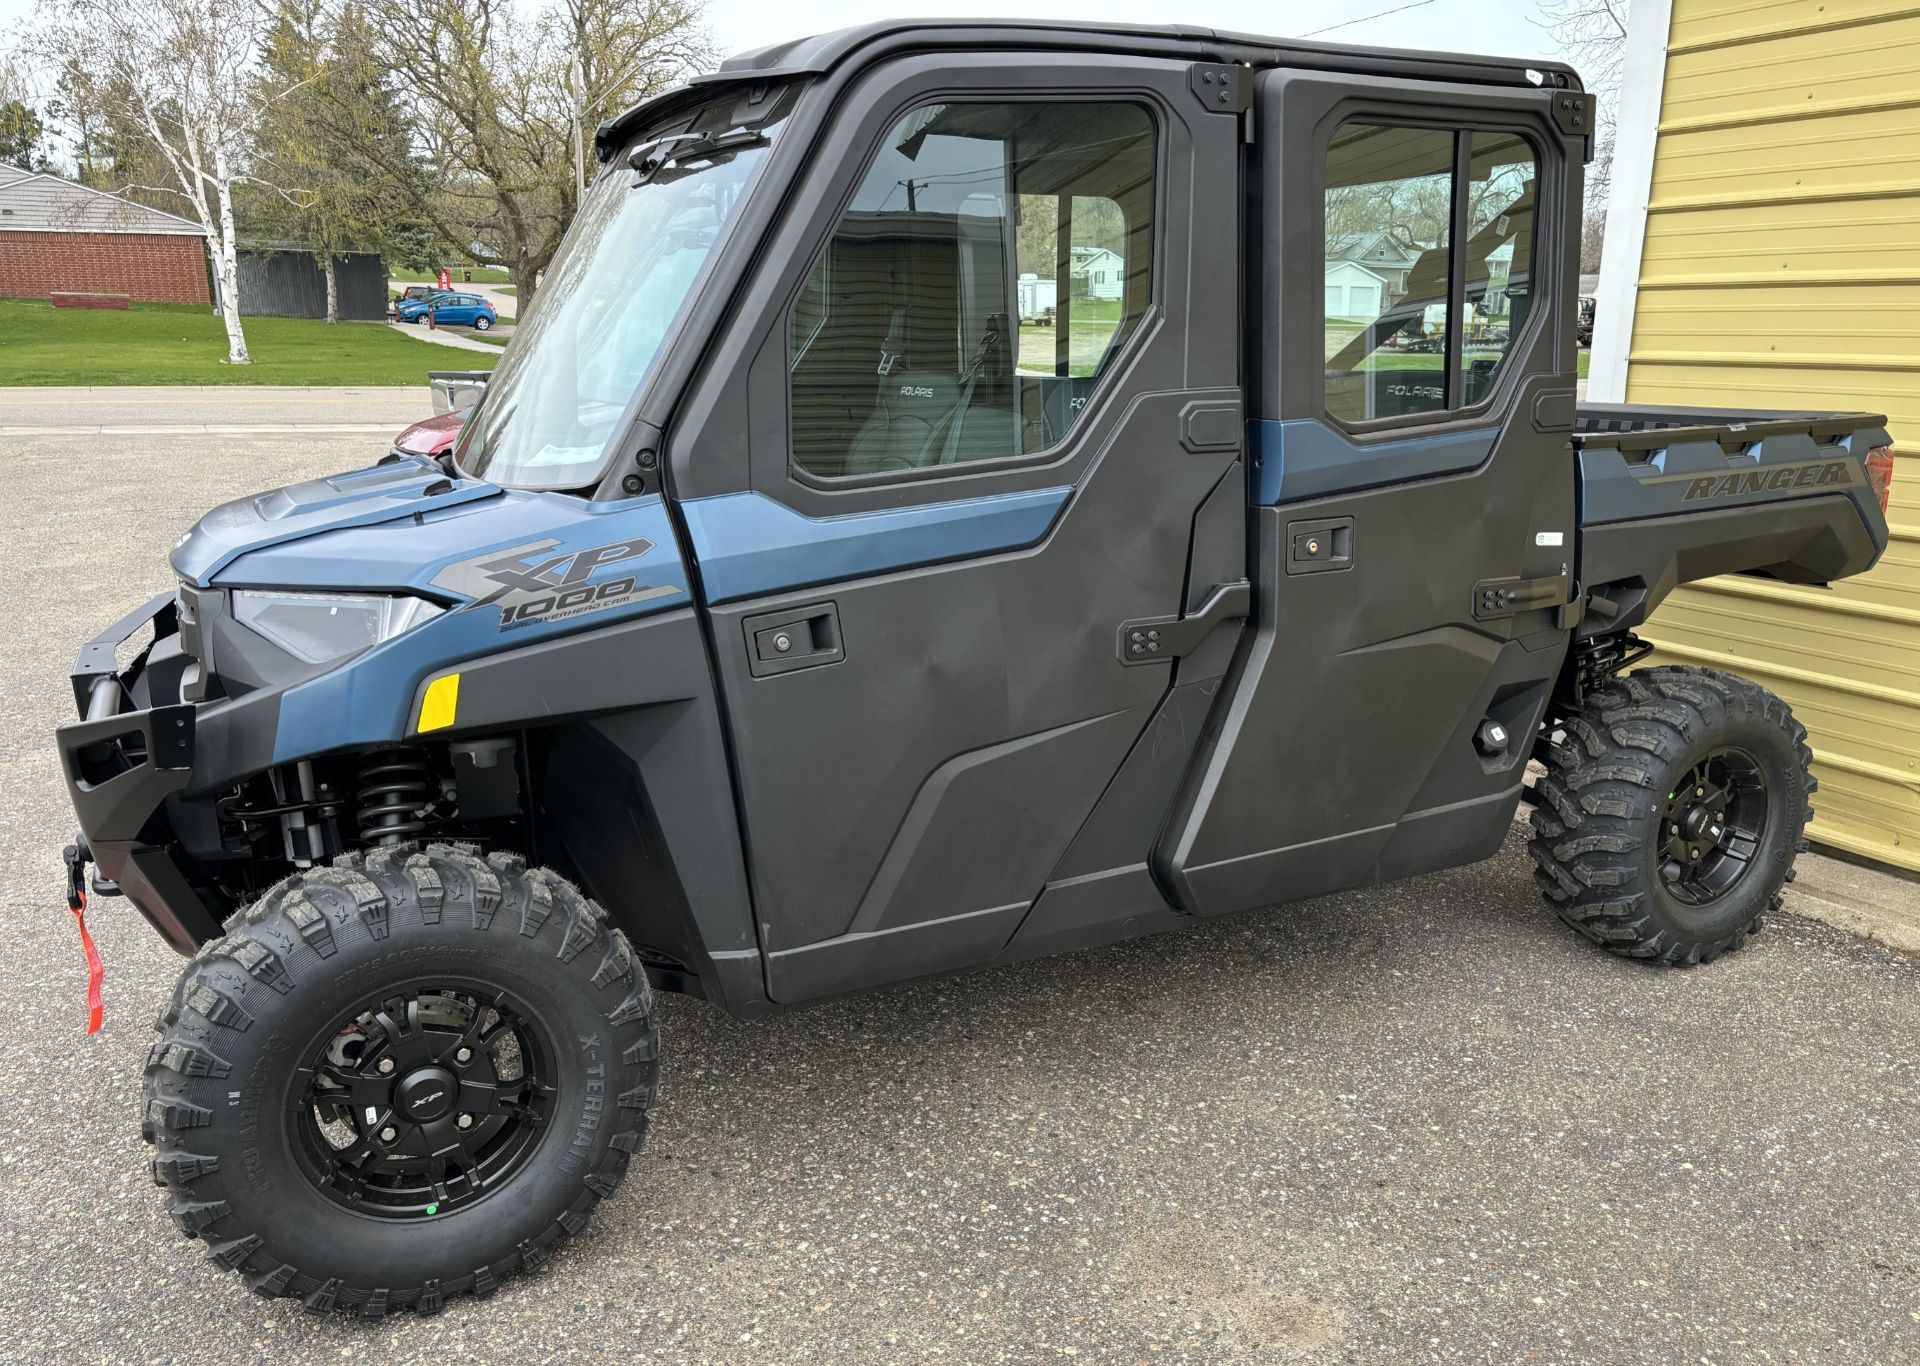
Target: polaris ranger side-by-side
(800,613)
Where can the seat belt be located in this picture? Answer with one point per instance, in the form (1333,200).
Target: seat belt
(894,344)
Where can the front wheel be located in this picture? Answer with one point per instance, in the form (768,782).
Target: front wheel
(401,1078)
(1671,813)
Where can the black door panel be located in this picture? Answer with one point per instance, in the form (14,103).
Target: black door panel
(936,775)
(1346,753)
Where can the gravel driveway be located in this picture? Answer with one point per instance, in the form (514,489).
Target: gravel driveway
(1421,1123)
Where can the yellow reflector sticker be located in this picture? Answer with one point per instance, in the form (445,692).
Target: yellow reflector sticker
(438,706)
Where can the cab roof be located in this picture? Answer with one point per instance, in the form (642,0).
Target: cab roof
(823,53)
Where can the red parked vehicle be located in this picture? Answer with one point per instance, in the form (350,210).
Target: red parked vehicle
(456,393)
(433,436)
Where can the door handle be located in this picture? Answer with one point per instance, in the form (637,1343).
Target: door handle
(797,638)
(1317,547)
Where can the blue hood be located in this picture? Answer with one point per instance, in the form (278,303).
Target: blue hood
(359,498)
(512,568)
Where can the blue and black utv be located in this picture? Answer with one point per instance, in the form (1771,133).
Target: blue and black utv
(962,492)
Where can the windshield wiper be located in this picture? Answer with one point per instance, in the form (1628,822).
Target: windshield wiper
(651,158)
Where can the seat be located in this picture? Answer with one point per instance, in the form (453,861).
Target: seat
(929,417)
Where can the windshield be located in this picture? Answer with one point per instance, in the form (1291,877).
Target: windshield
(610,299)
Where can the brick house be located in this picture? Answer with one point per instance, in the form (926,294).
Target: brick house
(56,235)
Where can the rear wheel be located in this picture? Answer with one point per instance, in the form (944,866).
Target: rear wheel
(401,1078)
(1671,813)
(482,322)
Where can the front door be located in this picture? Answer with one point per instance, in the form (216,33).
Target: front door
(995,381)
(1413,490)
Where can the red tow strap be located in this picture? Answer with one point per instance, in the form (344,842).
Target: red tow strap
(96,970)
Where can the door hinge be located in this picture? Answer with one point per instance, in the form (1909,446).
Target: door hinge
(1573,114)
(1223,87)
(1149,640)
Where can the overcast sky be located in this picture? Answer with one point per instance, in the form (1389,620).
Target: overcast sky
(1502,27)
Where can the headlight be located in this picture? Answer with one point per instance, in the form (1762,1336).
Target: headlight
(318,627)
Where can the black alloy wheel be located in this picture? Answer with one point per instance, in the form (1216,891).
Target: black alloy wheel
(1713,820)
(423,1103)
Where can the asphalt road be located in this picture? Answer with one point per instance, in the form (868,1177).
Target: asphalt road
(261,410)
(1421,1123)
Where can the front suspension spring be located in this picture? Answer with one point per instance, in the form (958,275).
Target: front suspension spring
(393,796)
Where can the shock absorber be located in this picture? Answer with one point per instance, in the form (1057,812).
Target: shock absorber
(1599,658)
(393,796)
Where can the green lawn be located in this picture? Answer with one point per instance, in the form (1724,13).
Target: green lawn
(1091,324)
(482,275)
(186,344)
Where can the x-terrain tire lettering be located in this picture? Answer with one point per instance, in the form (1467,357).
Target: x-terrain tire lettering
(376,1052)
(1671,813)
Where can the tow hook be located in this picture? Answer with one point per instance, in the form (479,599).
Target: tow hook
(77,856)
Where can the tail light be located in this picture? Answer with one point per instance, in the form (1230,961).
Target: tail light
(1880,473)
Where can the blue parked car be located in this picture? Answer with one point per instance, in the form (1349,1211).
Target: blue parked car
(460,310)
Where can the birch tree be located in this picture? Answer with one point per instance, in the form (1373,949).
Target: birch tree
(182,73)
(1593,36)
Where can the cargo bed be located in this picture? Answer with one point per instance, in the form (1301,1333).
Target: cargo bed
(1674,495)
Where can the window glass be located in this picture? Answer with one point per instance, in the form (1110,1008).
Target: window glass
(1499,255)
(994,258)
(588,339)
(1389,215)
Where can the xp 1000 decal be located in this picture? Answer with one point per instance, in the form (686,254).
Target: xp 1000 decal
(527,585)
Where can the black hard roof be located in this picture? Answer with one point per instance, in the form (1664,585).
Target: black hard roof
(821,53)
(824,51)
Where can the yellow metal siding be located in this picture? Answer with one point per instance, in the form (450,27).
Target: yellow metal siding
(1782,270)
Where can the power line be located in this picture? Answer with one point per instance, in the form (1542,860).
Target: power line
(1366,18)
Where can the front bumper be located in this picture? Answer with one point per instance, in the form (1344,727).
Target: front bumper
(126,765)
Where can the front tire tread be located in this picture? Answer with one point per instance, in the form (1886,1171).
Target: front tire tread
(419,883)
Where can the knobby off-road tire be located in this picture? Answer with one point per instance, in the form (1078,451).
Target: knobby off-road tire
(430,999)
(1621,853)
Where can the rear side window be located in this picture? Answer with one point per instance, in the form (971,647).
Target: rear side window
(1428,261)
(1501,183)
(1389,225)
(993,261)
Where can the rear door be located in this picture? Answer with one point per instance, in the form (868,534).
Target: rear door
(1412,488)
(919,576)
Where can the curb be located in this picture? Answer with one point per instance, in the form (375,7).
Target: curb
(1865,901)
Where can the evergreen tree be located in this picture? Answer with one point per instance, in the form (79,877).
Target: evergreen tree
(336,144)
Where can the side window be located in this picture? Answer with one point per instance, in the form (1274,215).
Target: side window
(1499,254)
(1389,221)
(992,262)
(1393,198)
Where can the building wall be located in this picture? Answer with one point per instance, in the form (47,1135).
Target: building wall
(1780,268)
(150,267)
